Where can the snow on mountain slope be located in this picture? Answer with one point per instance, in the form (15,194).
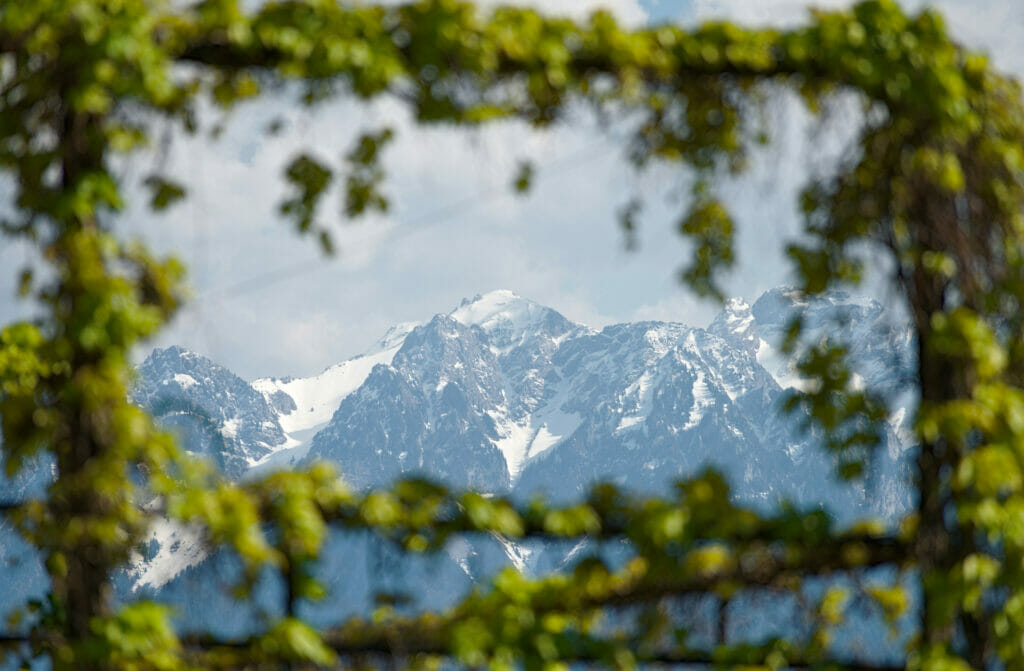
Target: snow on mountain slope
(538,426)
(317,397)
(214,412)
(879,347)
(500,310)
(314,399)
(496,306)
(736,323)
(174,547)
(553,424)
(479,379)
(511,321)
(514,442)
(521,441)
(502,394)
(505,375)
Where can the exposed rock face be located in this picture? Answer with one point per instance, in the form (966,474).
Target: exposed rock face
(217,414)
(505,395)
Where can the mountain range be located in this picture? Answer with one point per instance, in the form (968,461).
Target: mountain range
(505,395)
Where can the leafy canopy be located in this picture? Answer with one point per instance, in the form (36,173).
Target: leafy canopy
(937,184)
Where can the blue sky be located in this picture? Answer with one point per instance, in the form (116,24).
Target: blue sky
(664,10)
(268,304)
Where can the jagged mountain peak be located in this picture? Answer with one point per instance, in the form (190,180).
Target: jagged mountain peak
(215,412)
(441,332)
(777,306)
(176,352)
(736,323)
(509,319)
(503,394)
(506,383)
(445,351)
(181,367)
(483,307)
(305,404)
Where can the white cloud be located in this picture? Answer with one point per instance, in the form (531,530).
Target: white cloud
(627,11)
(993,26)
(454,229)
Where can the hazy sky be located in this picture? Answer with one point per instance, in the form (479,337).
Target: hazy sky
(269,304)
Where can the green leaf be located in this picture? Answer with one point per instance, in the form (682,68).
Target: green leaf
(163,192)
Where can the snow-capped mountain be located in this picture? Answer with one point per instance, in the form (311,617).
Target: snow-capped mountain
(462,400)
(217,414)
(305,405)
(505,395)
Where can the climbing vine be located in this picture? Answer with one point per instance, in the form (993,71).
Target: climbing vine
(937,184)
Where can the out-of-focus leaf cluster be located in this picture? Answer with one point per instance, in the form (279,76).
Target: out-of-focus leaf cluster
(936,182)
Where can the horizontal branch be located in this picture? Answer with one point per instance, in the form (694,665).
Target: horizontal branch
(656,528)
(574,599)
(404,648)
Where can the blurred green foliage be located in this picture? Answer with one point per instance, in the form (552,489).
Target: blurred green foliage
(936,184)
